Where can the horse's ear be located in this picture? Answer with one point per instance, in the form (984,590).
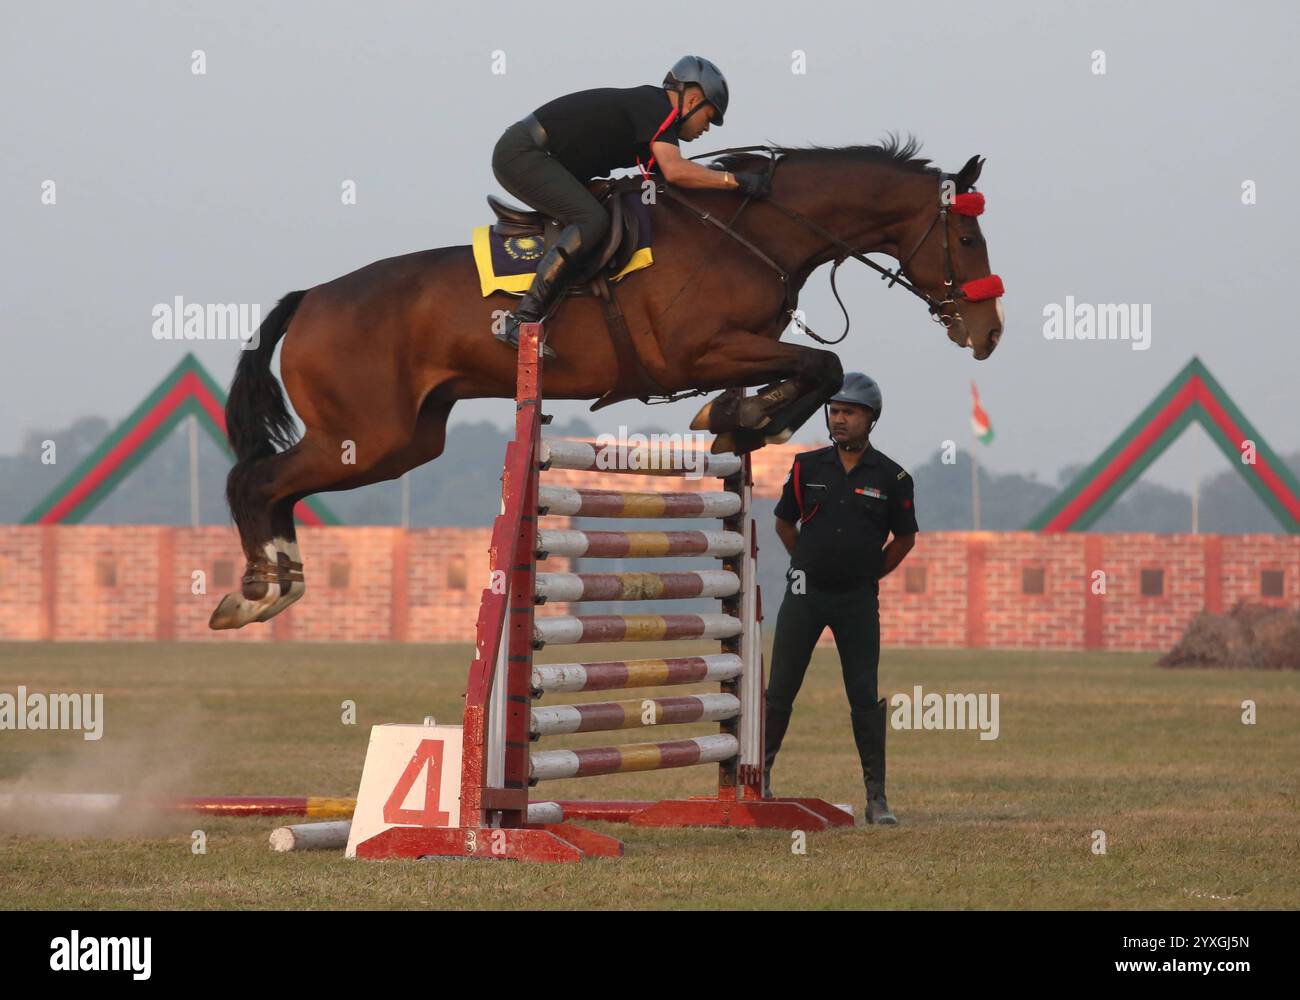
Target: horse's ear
(970,173)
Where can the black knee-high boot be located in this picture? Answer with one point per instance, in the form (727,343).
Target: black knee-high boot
(775,724)
(869,734)
(554,272)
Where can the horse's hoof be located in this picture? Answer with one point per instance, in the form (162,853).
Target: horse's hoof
(230,613)
(781,437)
(722,414)
(723,444)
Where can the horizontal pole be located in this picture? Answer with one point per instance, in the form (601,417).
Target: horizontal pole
(784,813)
(648,544)
(552,720)
(570,502)
(331,836)
(544,765)
(636,586)
(570,629)
(607,675)
(636,461)
(316,807)
(606,810)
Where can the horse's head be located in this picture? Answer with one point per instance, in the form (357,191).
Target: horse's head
(948,260)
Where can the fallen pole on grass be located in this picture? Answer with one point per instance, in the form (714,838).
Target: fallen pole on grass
(312,807)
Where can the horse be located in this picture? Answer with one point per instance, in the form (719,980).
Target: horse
(374,361)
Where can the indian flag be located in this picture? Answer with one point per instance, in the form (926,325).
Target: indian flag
(979,420)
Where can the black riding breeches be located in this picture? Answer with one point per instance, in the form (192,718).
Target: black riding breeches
(853,616)
(534,176)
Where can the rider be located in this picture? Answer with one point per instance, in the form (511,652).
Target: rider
(547,158)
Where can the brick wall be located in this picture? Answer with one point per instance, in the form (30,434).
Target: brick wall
(994,589)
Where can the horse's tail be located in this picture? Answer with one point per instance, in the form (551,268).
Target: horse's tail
(257,418)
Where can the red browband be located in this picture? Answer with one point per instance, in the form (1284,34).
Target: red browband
(971,203)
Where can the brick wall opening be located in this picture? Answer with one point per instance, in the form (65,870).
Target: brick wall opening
(106,572)
(223,573)
(1153,583)
(456,574)
(340,572)
(1033,580)
(1272,583)
(914,579)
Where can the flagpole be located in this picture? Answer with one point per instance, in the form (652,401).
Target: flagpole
(974,481)
(1196,480)
(193,429)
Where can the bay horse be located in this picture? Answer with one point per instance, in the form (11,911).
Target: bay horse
(374,361)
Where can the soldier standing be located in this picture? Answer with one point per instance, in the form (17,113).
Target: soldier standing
(839,506)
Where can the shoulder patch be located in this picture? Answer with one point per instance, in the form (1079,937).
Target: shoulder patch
(902,474)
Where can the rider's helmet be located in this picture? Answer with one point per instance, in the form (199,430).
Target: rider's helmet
(707,76)
(860,389)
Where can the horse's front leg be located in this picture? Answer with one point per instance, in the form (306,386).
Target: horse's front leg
(803,378)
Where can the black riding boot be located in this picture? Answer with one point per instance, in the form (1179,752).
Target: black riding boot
(554,271)
(869,734)
(774,727)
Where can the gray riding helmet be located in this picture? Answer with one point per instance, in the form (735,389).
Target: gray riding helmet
(694,69)
(857,388)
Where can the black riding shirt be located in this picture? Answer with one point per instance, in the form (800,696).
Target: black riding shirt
(594,132)
(846,518)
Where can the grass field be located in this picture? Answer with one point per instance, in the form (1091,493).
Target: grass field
(1198,809)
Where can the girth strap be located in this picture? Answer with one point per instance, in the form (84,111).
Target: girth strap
(632,380)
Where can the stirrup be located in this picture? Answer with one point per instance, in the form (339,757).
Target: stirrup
(509,334)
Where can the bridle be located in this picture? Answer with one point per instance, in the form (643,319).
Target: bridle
(972,291)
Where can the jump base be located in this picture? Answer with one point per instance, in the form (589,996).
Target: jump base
(552,842)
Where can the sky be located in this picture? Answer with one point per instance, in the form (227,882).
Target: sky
(1115,187)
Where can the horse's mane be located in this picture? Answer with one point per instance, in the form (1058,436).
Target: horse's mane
(893,151)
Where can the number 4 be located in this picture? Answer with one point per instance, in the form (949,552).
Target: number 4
(428,752)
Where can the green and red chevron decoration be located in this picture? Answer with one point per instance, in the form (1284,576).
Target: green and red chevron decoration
(1194,394)
(187,390)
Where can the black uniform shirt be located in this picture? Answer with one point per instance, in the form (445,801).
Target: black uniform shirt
(593,132)
(848,516)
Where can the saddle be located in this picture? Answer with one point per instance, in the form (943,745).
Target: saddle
(593,278)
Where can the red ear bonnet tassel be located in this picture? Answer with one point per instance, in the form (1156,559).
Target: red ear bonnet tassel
(971,203)
(983,288)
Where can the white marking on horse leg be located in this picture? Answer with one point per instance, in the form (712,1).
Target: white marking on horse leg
(236,610)
(295,590)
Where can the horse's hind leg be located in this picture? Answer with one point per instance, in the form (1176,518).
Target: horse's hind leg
(273,577)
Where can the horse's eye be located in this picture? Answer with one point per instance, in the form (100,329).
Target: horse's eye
(967,241)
